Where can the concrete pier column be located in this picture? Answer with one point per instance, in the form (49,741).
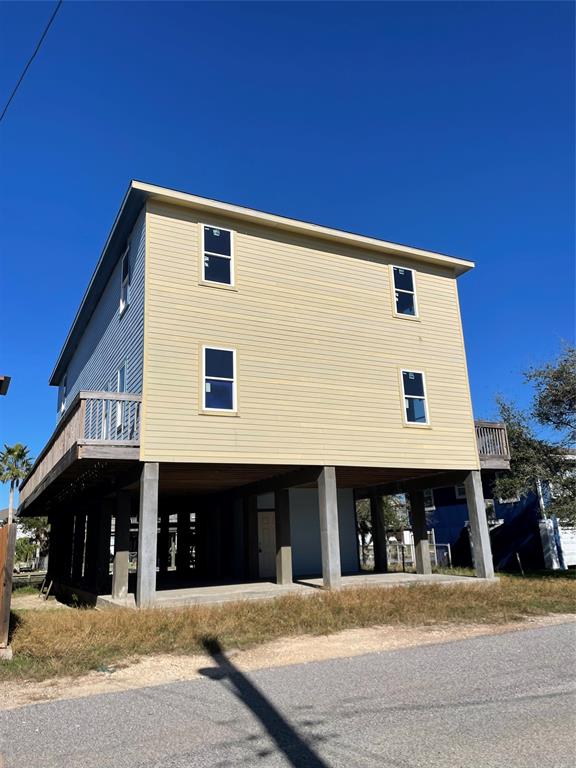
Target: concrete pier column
(378,533)
(121,563)
(283,539)
(479,533)
(147,535)
(420,533)
(329,533)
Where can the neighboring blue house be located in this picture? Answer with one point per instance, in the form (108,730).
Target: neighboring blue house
(515,527)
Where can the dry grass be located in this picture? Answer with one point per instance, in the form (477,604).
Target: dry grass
(52,643)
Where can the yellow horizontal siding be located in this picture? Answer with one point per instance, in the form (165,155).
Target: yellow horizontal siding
(318,354)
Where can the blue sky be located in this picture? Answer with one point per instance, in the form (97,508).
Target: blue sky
(446,126)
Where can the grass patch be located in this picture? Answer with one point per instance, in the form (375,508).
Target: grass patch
(51,643)
(25,589)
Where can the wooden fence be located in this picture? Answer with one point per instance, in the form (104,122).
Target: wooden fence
(7,547)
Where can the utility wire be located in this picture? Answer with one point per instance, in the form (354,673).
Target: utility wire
(31,59)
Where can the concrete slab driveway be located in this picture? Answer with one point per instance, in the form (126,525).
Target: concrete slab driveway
(492,702)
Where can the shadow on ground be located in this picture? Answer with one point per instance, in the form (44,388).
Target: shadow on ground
(293,746)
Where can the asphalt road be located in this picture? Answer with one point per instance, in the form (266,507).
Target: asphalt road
(502,701)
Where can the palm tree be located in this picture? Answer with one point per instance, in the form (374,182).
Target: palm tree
(15,462)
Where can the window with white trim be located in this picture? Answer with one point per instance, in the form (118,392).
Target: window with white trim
(125,281)
(415,409)
(217,256)
(460,491)
(405,291)
(219,379)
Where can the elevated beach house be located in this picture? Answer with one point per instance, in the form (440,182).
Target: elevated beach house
(233,380)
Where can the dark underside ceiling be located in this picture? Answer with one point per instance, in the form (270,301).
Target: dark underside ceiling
(90,480)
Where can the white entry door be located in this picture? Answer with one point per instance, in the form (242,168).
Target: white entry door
(266,544)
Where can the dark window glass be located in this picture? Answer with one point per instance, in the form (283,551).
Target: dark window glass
(219,363)
(405,303)
(124,295)
(122,379)
(403,279)
(217,269)
(219,394)
(413,384)
(217,241)
(415,410)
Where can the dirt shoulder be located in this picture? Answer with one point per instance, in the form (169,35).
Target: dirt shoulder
(163,668)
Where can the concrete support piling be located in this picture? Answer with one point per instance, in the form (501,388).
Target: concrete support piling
(479,532)
(120,567)
(420,533)
(329,533)
(283,538)
(147,535)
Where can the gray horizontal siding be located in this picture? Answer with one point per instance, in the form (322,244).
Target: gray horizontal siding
(110,339)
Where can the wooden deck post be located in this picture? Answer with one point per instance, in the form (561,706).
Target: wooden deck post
(102,575)
(7,549)
(283,539)
(79,542)
(147,535)
(329,533)
(91,553)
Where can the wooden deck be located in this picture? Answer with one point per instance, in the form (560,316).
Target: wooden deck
(96,425)
(493,448)
(100,433)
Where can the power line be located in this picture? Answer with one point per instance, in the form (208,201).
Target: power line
(31,59)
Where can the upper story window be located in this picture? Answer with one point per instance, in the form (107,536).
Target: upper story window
(219,379)
(416,411)
(217,255)
(405,292)
(125,281)
(63,393)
